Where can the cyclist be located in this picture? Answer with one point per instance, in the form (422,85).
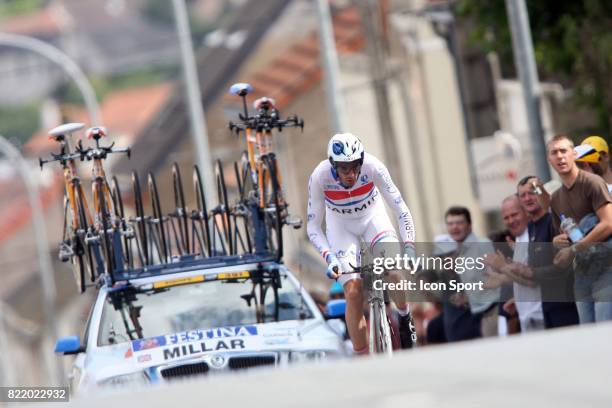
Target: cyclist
(346,190)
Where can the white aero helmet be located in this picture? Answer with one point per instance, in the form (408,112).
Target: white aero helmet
(344,147)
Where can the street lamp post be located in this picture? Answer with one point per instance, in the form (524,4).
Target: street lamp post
(65,62)
(44,259)
(524,60)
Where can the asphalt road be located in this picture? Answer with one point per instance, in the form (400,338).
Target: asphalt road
(559,368)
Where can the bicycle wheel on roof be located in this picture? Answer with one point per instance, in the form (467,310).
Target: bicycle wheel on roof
(141,233)
(272,214)
(180,209)
(242,213)
(199,215)
(223,208)
(120,215)
(72,247)
(158,221)
(104,226)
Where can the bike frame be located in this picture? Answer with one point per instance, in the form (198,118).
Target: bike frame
(72,183)
(75,206)
(100,186)
(102,194)
(260,145)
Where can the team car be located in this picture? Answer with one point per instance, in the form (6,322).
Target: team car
(202,317)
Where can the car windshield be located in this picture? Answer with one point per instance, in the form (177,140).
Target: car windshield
(141,312)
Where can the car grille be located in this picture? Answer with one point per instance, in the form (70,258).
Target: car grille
(239,363)
(186,370)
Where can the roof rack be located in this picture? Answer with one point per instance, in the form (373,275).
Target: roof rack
(188,264)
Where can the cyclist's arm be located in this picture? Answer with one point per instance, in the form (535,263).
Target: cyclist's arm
(382,180)
(316,213)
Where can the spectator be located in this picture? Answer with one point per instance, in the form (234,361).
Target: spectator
(434,328)
(581,194)
(434,316)
(503,241)
(458,322)
(556,284)
(527,297)
(597,161)
(482,303)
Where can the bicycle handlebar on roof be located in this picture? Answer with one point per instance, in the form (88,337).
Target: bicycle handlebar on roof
(62,158)
(266,124)
(100,152)
(267,116)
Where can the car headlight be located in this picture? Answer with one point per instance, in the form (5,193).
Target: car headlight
(311,355)
(131,379)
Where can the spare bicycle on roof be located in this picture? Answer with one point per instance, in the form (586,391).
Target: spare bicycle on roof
(107,239)
(258,174)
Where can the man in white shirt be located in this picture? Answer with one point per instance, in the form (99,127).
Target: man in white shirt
(527,296)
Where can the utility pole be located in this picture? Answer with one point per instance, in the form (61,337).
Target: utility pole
(194,100)
(329,57)
(524,61)
(443,22)
(379,73)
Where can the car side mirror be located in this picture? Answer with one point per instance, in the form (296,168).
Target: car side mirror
(338,326)
(69,345)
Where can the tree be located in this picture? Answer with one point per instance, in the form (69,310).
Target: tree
(572,45)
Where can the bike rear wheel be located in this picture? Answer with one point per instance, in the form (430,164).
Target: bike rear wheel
(180,208)
(85,227)
(104,223)
(75,243)
(272,211)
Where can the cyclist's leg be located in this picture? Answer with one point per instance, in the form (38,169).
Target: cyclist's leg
(382,238)
(345,245)
(383,241)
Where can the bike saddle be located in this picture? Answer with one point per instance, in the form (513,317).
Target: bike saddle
(264,103)
(241,89)
(58,133)
(96,132)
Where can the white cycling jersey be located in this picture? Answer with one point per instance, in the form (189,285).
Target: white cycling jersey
(357,210)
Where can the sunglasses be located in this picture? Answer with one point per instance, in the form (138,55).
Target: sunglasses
(345,170)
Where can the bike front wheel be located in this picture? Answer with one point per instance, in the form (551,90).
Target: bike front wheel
(380,330)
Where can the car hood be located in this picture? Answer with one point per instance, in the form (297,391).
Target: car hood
(171,349)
